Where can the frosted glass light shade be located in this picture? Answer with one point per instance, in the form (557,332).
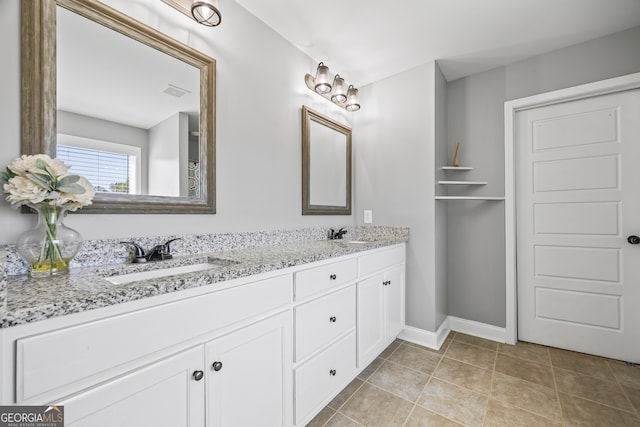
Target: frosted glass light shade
(338,95)
(352,99)
(322,79)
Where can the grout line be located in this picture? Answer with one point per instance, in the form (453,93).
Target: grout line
(555,389)
(493,376)
(617,380)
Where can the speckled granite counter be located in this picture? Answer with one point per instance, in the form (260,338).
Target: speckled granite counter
(26,300)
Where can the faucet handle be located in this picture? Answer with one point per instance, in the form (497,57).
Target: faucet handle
(139,255)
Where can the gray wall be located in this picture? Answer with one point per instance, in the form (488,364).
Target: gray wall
(475,117)
(258,126)
(394,158)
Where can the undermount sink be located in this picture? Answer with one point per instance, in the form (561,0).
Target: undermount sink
(360,242)
(213,263)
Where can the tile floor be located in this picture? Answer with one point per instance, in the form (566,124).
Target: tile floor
(474,382)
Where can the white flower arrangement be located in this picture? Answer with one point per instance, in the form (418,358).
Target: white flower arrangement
(39,179)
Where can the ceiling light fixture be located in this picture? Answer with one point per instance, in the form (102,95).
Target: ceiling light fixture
(206,12)
(336,92)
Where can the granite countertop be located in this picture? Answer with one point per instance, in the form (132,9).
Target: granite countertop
(85,288)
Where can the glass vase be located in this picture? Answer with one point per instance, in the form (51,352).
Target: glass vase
(50,246)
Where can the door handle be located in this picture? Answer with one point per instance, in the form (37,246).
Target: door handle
(634,240)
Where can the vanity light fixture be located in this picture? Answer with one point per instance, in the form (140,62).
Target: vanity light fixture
(338,93)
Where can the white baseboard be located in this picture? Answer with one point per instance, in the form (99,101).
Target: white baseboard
(477,329)
(428,339)
(434,340)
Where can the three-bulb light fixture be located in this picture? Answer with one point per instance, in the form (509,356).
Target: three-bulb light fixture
(337,92)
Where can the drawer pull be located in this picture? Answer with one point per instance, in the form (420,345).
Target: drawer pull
(333,277)
(197,375)
(217,366)
(332,372)
(332,319)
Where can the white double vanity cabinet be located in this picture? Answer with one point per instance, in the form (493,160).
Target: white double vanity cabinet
(266,350)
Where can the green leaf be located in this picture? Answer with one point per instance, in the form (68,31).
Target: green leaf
(44,183)
(69,179)
(72,188)
(7,175)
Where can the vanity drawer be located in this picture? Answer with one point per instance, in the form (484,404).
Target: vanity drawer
(324,376)
(317,279)
(380,260)
(320,321)
(58,363)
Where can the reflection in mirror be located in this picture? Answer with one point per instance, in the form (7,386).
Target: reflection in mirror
(131,135)
(326,165)
(123,105)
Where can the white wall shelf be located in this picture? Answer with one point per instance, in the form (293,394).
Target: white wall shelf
(456,168)
(469,198)
(462,182)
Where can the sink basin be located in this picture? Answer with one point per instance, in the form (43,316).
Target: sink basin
(350,241)
(213,263)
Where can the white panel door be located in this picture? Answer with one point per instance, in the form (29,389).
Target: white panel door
(578,201)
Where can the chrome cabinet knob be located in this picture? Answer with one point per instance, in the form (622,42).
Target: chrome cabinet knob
(198,375)
(634,240)
(217,366)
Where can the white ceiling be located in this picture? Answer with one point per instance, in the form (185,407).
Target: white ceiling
(368,40)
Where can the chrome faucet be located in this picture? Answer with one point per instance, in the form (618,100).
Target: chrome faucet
(334,235)
(157,253)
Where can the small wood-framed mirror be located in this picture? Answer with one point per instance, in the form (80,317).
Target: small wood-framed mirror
(96,80)
(326,165)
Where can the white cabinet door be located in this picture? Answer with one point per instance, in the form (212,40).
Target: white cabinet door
(394,302)
(371,337)
(380,313)
(249,378)
(164,394)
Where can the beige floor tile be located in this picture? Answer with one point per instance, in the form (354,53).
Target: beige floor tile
(526,395)
(478,342)
(464,375)
(579,362)
(421,417)
(322,417)
(500,414)
(524,369)
(399,380)
(579,412)
(373,407)
(603,391)
(453,402)
(340,420)
(628,376)
(524,350)
(471,354)
(345,394)
(366,372)
(416,358)
(390,349)
(634,396)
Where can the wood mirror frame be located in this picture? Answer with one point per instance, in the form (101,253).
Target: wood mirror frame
(309,116)
(39,108)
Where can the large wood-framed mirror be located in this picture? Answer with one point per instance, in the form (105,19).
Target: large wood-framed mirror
(326,165)
(94,80)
